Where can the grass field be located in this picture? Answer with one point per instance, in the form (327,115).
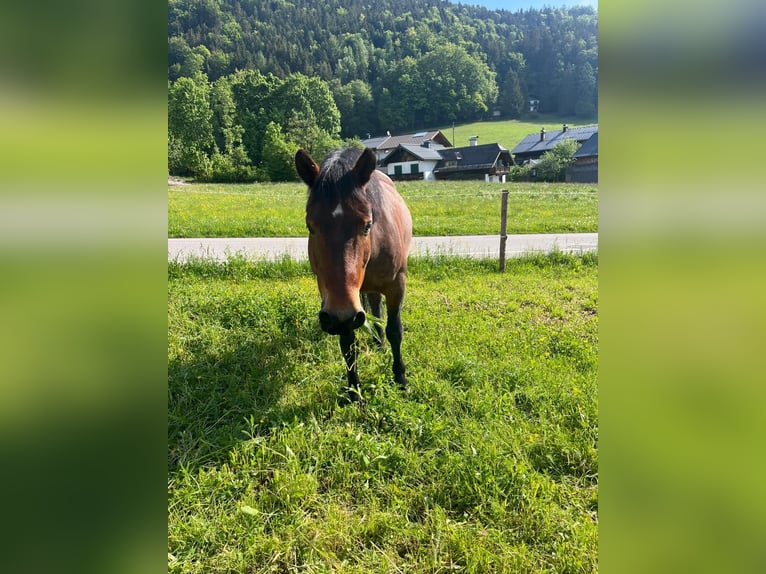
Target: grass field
(488,464)
(438,208)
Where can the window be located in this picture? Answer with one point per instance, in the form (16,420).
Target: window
(398,170)
(414,168)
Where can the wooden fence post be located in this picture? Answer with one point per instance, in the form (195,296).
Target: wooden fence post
(503,228)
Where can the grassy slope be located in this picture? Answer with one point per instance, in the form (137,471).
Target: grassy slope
(488,464)
(438,208)
(508,133)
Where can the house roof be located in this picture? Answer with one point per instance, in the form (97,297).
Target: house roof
(589,148)
(532,144)
(421,152)
(477,156)
(374,143)
(390,142)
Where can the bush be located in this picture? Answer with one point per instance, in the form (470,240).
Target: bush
(231,168)
(553,164)
(278,154)
(176,163)
(521,173)
(201,165)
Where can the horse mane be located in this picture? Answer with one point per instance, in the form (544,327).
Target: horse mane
(335,181)
(339,163)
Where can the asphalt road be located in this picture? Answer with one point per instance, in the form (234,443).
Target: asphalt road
(481,246)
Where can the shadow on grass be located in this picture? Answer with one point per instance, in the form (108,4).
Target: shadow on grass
(229,371)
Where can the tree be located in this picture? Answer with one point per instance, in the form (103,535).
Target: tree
(511,98)
(398,95)
(230,161)
(445,85)
(223,120)
(278,154)
(251,93)
(586,92)
(346,41)
(303,107)
(190,133)
(553,163)
(178,53)
(298,94)
(568,91)
(217,64)
(357,108)
(455,85)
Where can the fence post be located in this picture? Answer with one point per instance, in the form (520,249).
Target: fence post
(503,228)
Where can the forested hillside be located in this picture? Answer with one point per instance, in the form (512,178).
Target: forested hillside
(391,65)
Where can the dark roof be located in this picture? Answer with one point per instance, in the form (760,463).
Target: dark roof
(532,144)
(374,143)
(478,156)
(419,151)
(390,142)
(589,148)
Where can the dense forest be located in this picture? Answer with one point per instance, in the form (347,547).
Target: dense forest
(349,68)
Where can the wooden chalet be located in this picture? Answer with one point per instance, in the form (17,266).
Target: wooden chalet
(585,167)
(490,162)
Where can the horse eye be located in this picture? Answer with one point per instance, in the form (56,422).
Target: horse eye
(367,227)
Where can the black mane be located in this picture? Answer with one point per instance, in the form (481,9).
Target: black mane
(335,182)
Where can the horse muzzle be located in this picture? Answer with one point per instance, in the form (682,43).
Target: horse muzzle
(334,325)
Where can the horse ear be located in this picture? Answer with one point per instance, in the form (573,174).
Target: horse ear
(364,167)
(307,168)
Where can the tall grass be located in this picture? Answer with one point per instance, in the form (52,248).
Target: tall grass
(488,463)
(438,208)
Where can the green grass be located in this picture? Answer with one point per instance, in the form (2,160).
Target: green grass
(509,133)
(438,208)
(488,463)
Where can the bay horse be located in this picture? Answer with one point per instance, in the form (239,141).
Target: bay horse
(360,232)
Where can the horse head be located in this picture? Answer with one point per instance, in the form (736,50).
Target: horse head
(340,220)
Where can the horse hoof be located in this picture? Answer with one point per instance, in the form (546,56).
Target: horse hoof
(401,380)
(351,396)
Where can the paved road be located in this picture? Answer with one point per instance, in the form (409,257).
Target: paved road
(466,245)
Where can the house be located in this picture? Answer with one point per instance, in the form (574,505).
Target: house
(430,161)
(535,145)
(490,162)
(409,161)
(384,145)
(585,167)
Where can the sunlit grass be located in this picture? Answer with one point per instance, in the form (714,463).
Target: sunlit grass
(488,463)
(438,208)
(509,133)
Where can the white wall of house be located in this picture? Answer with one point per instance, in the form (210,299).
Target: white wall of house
(425,168)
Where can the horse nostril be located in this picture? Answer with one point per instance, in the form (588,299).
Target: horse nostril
(359,319)
(325,320)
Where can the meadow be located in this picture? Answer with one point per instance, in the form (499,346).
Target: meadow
(509,133)
(438,208)
(488,463)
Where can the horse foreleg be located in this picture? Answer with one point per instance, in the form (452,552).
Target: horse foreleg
(348,348)
(394,334)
